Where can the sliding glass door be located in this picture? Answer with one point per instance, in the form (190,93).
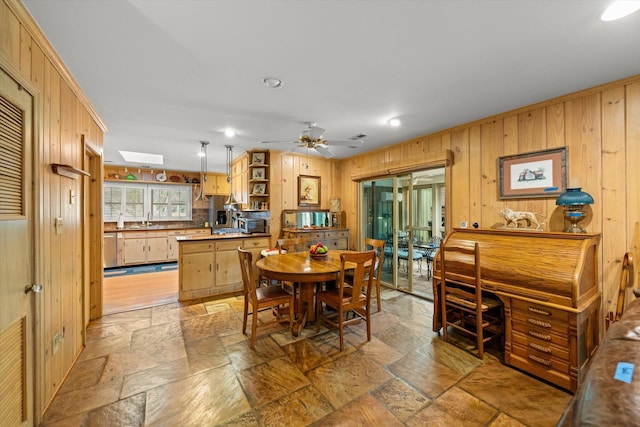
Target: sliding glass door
(405,212)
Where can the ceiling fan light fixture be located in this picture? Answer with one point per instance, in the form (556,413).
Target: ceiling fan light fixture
(272,82)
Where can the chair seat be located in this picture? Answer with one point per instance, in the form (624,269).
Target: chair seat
(332,297)
(487,303)
(402,254)
(271,293)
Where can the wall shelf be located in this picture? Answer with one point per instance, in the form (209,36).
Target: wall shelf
(68,171)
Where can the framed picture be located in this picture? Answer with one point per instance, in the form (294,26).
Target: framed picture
(537,174)
(257,158)
(258,173)
(308,190)
(259,188)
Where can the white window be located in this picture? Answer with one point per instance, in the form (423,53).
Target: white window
(136,201)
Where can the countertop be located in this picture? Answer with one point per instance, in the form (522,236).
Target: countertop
(220,236)
(153,227)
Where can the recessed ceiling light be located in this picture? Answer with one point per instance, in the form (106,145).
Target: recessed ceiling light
(230,133)
(272,82)
(132,156)
(619,9)
(395,122)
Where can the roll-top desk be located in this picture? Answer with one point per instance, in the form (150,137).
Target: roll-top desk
(548,282)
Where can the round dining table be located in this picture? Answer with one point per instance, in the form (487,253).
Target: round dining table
(301,268)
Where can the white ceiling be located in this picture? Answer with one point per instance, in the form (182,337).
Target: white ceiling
(164,75)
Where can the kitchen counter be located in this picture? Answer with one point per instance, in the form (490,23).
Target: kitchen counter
(153,227)
(221,236)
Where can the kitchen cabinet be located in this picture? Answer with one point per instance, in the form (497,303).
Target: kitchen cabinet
(196,269)
(145,247)
(172,242)
(222,255)
(217,184)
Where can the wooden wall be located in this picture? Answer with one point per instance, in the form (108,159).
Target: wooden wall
(66,125)
(601,128)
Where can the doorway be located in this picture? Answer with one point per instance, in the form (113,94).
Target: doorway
(406,211)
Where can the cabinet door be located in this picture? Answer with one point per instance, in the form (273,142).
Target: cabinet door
(196,271)
(210,185)
(156,249)
(222,185)
(227,268)
(172,248)
(135,251)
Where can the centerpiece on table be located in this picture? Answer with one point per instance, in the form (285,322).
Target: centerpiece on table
(318,251)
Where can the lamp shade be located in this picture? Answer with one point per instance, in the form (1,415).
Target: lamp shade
(574,197)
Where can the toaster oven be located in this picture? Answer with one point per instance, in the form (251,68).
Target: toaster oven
(252,225)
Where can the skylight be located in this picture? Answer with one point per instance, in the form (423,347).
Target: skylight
(145,158)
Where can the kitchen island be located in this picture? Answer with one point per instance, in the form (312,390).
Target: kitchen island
(208,264)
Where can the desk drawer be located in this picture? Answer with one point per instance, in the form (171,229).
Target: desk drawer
(544,324)
(543,335)
(540,347)
(538,360)
(539,311)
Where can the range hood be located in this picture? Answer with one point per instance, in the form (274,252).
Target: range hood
(231,204)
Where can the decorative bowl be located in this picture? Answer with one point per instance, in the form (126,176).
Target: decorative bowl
(319,256)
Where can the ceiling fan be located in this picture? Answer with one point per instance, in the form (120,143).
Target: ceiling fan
(312,138)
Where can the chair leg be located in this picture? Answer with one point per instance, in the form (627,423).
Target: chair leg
(368,320)
(319,314)
(246,314)
(341,328)
(378,295)
(443,314)
(254,327)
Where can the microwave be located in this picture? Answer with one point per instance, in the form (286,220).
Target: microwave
(251,225)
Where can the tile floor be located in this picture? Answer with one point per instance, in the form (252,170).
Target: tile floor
(190,365)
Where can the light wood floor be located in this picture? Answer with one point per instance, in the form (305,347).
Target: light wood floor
(136,291)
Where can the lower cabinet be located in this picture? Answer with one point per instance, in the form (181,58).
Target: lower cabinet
(172,242)
(211,267)
(145,247)
(333,239)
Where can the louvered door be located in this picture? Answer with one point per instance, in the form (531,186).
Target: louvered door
(16,254)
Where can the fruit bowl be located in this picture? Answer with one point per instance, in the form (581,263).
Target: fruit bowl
(319,256)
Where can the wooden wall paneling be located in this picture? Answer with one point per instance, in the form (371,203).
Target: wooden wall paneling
(491,144)
(613,193)
(475,184)
(555,139)
(510,146)
(460,179)
(25,51)
(532,137)
(632,160)
(10,35)
(289,181)
(275,195)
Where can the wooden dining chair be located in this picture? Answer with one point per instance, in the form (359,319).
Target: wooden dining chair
(290,245)
(463,304)
(378,247)
(261,297)
(348,299)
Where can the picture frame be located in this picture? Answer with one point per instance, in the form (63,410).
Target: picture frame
(308,190)
(535,174)
(258,158)
(258,173)
(259,189)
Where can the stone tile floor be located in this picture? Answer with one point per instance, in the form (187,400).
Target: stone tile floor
(190,365)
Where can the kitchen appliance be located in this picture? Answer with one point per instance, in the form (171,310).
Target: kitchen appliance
(252,225)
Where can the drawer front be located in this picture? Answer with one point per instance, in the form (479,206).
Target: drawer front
(176,232)
(190,248)
(540,360)
(540,311)
(256,243)
(539,347)
(336,234)
(316,235)
(228,245)
(336,244)
(545,324)
(135,235)
(204,231)
(544,336)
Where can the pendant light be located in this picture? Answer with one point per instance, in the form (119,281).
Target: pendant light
(231,204)
(203,171)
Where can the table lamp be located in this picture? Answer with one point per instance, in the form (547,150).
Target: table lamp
(573,201)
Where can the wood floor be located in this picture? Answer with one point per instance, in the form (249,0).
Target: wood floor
(136,291)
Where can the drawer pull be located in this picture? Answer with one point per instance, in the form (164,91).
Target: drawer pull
(539,323)
(538,335)
(540,347)
(539,311)
(540,360)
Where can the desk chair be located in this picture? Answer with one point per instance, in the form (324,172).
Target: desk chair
(464,306)
(349,299)
(260,297)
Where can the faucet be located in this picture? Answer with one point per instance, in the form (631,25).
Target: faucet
(148,219)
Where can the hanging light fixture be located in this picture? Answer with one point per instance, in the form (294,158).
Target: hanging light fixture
(203,171)
(231,204)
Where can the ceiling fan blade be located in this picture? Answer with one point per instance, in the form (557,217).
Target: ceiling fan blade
(315,132)
(278,142)
(324,151)
(346,142)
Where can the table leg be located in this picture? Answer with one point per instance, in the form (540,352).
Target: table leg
(306,311)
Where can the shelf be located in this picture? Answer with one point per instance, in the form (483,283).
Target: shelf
(68,171)
(259,195)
